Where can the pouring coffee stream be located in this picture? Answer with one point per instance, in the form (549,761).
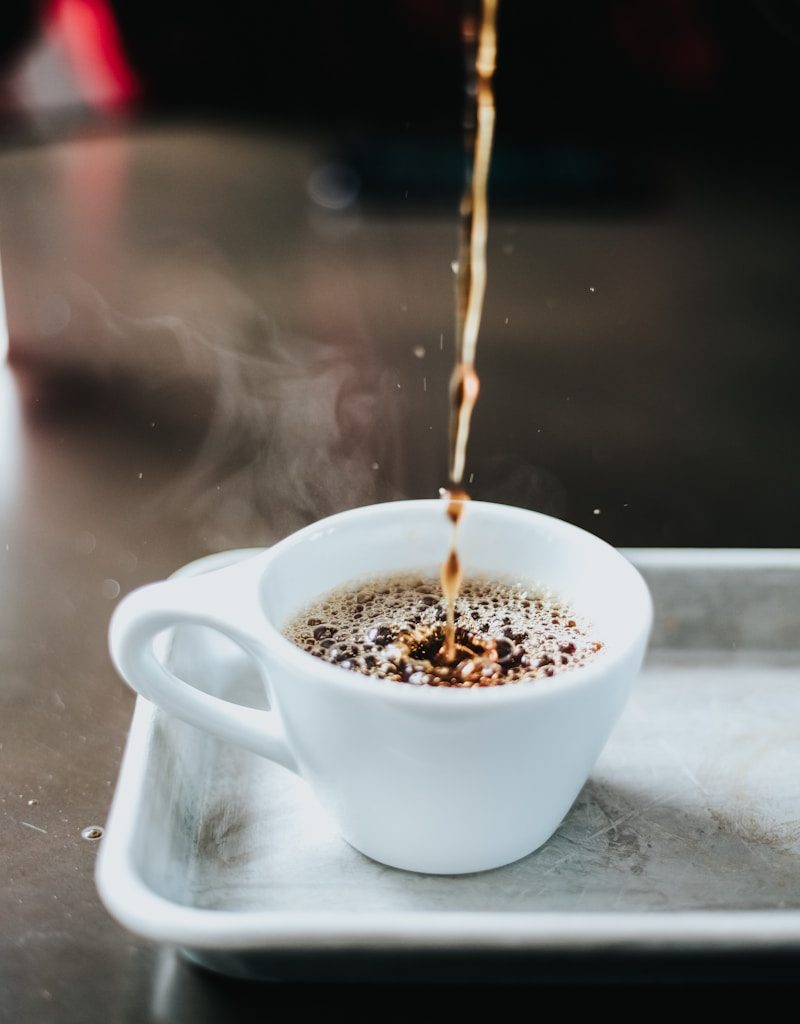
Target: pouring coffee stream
(480,50)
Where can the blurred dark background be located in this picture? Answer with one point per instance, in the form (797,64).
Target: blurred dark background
(236,222)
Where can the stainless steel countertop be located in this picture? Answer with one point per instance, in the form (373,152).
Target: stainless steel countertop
(167,294)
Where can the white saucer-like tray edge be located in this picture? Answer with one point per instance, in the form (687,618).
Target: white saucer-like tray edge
(721,596)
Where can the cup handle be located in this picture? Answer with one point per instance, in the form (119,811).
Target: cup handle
(226,600)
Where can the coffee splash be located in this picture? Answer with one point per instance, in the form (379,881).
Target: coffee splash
(393,628)
(480,50)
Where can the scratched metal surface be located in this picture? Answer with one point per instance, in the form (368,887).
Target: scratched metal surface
(693,805)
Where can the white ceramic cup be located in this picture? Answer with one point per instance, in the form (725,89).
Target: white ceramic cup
(423,778)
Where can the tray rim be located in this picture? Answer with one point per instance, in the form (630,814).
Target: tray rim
(129,899)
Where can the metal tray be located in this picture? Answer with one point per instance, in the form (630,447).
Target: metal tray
(685,838)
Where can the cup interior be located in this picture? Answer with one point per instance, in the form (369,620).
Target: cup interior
(592,578)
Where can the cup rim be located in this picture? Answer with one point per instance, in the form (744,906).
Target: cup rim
(279,648)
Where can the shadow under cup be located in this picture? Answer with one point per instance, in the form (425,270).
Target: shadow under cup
(450,780)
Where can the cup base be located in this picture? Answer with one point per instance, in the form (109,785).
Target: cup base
(460,864)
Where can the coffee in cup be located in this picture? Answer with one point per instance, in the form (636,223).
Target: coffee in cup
(393,627)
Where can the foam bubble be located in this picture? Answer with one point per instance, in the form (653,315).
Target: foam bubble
(393,627)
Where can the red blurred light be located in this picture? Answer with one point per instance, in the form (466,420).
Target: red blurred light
(88,32)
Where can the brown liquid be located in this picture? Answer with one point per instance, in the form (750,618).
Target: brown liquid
(393,627)
(451,574)
(480,48)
